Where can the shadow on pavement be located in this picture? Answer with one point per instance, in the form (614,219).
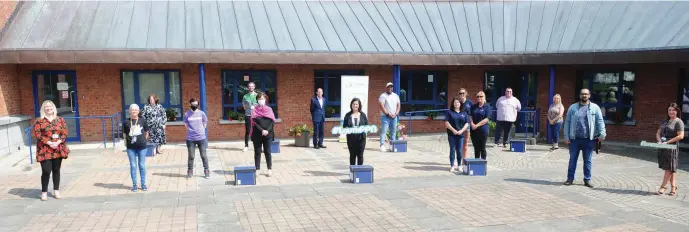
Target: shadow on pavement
(110,186)
(177,175)
(321,173)
(530,181)
(426,168)
(26,193)
(222,172)
(425,163)
(624,191)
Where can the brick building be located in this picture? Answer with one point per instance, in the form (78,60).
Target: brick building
(633,55)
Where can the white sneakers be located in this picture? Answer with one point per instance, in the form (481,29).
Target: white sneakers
(452,169)
(270,173)
(383,149)
(245,149)
(56,195)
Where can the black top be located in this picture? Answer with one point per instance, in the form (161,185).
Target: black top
(260,124)
(347,123)
(137,141)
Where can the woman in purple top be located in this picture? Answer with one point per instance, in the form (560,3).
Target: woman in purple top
(262,133)
(196,121)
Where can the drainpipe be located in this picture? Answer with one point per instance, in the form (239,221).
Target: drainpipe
(551,93)
(202,90)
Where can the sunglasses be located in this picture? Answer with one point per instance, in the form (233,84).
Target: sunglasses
(462,93)
(479,96)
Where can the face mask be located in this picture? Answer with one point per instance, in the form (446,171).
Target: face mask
(194,107)
(262,102)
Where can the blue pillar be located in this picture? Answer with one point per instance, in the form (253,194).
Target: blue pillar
(551,93)
(396,78)
(202,89)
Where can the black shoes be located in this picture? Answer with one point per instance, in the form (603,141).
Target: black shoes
(190,173)
(586,183)
(206,174)
(568,183)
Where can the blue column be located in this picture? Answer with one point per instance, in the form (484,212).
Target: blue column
(551,93)
(202,90)
(396,78)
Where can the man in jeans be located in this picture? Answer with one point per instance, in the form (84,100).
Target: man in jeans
(508,106)
(584,126)
(389,104)
(195,121)
(249,102)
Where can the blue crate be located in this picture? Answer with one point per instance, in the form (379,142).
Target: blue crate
(275,146)
(475,167)
(518,146)
(151,150)
(359,174)
(399,145)
(245,175)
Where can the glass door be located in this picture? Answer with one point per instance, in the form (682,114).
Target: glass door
(523,85)
(60,87)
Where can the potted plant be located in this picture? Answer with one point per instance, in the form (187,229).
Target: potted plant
(431,114)
(329,111)
(398,133)
(491,128)
(301,135)
(235,116)
(171,114)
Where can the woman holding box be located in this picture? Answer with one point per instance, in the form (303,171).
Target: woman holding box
(356,142)
(671,131)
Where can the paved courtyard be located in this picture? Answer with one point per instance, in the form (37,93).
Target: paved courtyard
(413,191)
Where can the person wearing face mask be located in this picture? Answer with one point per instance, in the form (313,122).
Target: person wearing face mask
(136,133)
(51,133)
(262,124)
(195,121)
(249,102)
(356,143)
(584,126)
(156,118)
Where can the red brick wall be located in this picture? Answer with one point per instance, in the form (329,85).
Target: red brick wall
(100,93)
(9,90)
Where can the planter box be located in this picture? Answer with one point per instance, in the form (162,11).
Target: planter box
(475,167)
(399,145)
(517,145)
(303,140)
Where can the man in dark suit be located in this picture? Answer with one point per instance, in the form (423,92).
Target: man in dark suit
(318,118)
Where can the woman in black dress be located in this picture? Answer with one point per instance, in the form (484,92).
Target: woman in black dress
(356,143)
(671,131)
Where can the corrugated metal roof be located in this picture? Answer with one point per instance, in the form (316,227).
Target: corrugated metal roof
(350,26)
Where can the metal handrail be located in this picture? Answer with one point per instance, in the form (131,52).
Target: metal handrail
(535,121)
(116,117)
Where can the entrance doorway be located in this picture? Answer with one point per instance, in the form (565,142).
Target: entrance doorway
(524,86)
(61,88)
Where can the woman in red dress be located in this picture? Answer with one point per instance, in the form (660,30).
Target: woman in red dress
(51,133)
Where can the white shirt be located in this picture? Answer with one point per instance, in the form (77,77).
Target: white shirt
(320,101)
(390,102)
(356,122)
(507,108)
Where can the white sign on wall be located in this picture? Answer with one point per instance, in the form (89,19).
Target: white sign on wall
(61,86)
(353,87)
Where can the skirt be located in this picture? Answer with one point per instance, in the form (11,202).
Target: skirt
(668,159)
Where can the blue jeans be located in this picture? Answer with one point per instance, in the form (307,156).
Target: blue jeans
(318,133)
(586,147)
(456,148)
(554,132)
(387,124)
(137,156)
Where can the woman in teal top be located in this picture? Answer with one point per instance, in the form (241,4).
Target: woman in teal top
(457,123)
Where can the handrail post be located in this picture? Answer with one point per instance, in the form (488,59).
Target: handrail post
(112,128)
(102,122)
(30,145)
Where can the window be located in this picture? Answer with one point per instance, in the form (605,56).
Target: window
(235,86)
(423,90)
(612,91)
(523,85)
(683,95)
(331,81)
(137,85)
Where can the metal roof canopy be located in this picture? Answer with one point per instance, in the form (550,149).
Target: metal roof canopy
(347,32)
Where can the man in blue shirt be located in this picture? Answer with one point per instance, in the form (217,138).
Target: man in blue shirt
(584,126)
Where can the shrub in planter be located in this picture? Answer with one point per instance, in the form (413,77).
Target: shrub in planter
(171,115)
(491,127)
(235,116)
(301,135)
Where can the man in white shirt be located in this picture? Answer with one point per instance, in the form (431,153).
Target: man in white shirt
(508,106)
(389,104)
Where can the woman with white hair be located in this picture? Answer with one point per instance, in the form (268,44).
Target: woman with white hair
(136,133)
(51,134)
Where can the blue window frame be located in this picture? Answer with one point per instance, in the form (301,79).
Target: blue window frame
(235,86)
(683,95)
(137,85)
(423,90)
(331,82)
(613,91)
